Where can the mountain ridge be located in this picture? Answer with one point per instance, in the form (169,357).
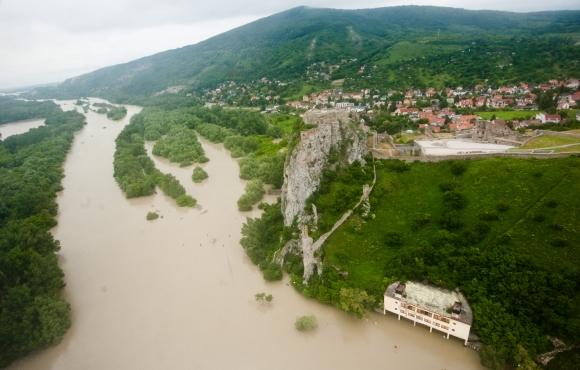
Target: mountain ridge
(281,45)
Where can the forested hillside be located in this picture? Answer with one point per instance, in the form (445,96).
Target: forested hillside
(458,45)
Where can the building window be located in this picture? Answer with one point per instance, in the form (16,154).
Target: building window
(445,327)
(454,324)
(395,308)
(452,329)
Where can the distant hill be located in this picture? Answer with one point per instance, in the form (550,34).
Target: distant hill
(281,46)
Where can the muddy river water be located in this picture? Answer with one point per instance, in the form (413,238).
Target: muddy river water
(160,295)
(20,127)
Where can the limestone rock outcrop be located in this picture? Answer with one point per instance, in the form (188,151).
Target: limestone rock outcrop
(304,165)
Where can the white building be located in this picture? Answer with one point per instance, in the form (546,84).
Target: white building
(439,309)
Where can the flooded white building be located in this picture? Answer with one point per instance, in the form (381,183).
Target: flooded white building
(437,308)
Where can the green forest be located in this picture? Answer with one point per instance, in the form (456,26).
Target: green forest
(12,110)
(32,313)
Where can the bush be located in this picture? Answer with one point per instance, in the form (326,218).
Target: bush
(152,216)
(502,207)
(450,220)
(446,186)
(393,239)
(199,175)
(454,200)
(556,226)
(488,216)
(559,242)
(186,201)
(273,272)
(306,323)
(423,220)
(551,203)
(539,218)
(491,358)
(458,168)
(253,193)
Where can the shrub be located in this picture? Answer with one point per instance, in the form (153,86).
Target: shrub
(306,323)
(446,186)
(454,200)
(551,203)
(539,217)
(186,201)
(393,239)
(253,193)
(397,165)
(199,175)
(152,216)
(502,207)
(458,168)
(559,242)
(488,216)
(450,220)
(262,297)
(421,221)
(273,272)
(556,226)
(491,358)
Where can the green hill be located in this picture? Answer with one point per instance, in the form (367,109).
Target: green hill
(282,46)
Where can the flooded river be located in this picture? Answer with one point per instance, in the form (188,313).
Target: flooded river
(160,295)
(20,127)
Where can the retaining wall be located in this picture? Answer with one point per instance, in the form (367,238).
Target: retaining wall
(555,133)
(439,158)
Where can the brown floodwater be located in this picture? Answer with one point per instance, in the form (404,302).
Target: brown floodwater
(19,127)
(160,295)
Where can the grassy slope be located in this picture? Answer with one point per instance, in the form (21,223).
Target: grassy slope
(509,114)
(359,246)
(549,141)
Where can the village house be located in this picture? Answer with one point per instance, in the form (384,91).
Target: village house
(548,118)
(405,111)
(440,309)
(572,83)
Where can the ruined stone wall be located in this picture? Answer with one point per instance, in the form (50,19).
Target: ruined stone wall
(316,116)
(439,158)
(489,132)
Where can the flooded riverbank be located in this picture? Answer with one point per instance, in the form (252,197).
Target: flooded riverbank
(160,295)
(19,127)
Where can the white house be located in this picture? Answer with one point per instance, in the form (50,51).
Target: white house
(440,309)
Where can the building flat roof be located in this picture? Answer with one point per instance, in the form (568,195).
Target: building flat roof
(433,299)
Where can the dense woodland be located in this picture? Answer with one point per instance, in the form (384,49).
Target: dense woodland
(12,110)
(32,313)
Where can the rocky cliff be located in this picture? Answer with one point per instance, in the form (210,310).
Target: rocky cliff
(303,169)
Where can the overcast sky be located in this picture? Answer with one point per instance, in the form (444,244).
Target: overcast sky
(44,41)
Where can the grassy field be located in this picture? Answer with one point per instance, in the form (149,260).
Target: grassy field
(399,199)
(549,141)
(509,114)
